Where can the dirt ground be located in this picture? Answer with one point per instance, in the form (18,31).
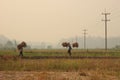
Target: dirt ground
(32,75)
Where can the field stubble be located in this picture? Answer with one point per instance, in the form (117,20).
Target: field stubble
(13,67)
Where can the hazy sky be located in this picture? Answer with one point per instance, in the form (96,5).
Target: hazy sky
(52,20)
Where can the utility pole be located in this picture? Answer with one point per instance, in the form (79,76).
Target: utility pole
(106,20)
(85,38)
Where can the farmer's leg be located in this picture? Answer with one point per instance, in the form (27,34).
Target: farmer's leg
(21,53)
(69,52)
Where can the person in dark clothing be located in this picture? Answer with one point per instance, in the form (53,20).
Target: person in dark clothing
(21,52)
(20,48)
(69,49)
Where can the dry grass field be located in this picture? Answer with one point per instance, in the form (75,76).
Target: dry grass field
(81,75)
(14,68)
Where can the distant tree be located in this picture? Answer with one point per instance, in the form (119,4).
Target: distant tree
(9,45)
(49,47)
(1,46)
(117,47)
(15,43)
(43,45)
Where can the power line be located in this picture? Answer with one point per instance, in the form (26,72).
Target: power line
(115,12)
(116,16)
(106,20)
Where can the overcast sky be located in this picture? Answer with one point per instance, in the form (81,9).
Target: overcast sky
(52,20)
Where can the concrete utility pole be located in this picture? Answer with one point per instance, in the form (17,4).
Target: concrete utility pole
(106,20)
(85,38)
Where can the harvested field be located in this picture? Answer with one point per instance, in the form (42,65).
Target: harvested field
(82,75)
(57,65)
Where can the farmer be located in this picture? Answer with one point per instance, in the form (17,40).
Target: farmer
(20,48)
(69,49)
